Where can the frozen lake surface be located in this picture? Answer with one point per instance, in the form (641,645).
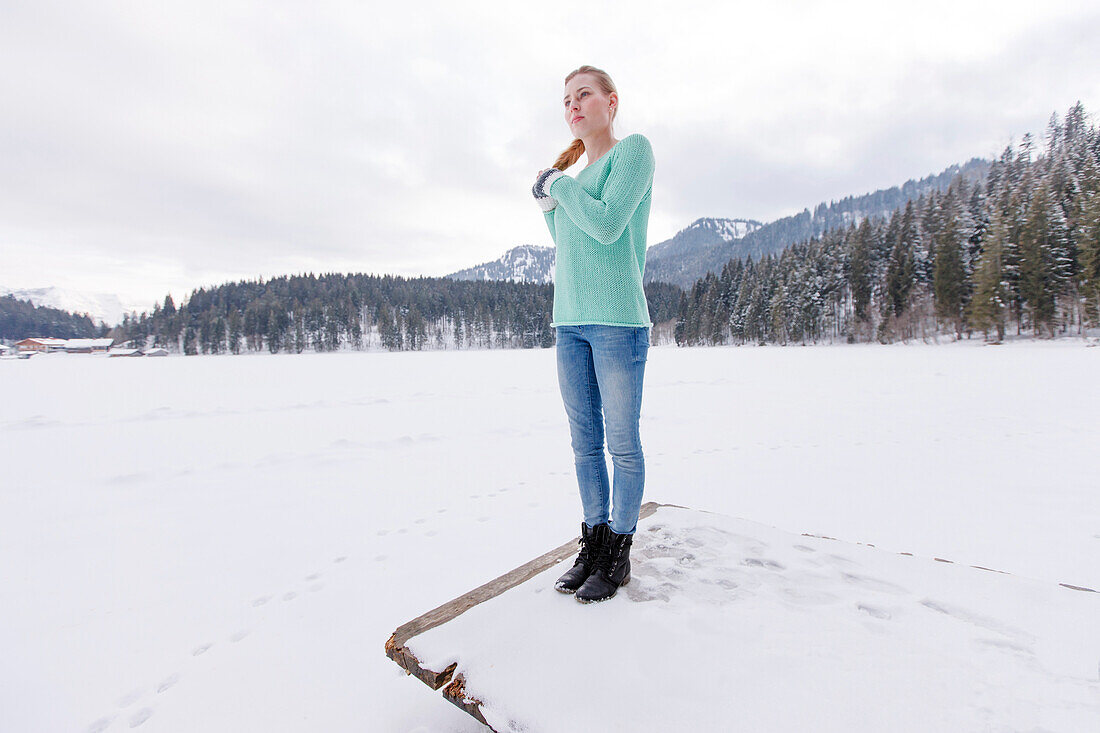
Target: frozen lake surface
(225,543)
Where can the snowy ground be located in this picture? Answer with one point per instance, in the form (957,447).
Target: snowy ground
(728,624)
(225,543)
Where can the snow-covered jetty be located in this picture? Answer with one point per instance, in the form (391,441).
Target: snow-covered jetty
(729,624)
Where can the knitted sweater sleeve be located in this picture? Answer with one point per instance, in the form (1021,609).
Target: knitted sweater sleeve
(549,216)
(629,180)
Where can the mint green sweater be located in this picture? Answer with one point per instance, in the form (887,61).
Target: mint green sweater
(599,227)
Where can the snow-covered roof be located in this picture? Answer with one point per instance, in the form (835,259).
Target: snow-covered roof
(45,341)
(85,343)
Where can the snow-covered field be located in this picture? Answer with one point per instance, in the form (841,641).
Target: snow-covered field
(225,543)
(728,624)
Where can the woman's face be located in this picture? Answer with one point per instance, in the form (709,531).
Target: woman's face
(587,109)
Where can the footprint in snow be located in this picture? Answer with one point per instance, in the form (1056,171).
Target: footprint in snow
(340,559)
(129,698)
(100,725)
(201,649)
(261,600)
(864,581)
(763,562)
(985,622)
(289,596)
(239,635)
(808,596)
(168,682)
(1005,644)
(875,611)
(313,576)
(140,717)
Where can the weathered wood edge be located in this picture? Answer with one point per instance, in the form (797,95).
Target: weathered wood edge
(456,694)
(455,691)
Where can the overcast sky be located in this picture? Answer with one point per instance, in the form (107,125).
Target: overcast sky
(155,147)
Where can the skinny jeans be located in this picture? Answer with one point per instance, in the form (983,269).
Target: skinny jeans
(600,371)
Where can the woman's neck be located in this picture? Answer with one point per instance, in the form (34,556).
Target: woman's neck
(598,148)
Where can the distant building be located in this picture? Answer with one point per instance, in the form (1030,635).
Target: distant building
(158,351)
(125,352)
(88,346)
(41,344)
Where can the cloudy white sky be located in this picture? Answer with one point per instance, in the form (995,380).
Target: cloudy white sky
(155,147)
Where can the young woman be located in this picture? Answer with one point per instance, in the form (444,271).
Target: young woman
(598,222)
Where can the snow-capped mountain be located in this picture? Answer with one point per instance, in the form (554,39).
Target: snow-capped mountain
(678,254)
(525,263)
(106,307)
(703,232)
(726,229)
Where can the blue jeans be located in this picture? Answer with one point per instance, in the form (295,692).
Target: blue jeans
(600,370)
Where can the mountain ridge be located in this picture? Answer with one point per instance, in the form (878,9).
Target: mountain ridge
(708,243)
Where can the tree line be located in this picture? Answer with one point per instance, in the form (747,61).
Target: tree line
(332,311)
(20,319)
(1018,251)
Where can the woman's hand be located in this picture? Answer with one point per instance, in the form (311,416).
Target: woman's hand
(545,201)
(535,189)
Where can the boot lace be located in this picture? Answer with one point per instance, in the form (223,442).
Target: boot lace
(585,554)
(589,547)
(603,557)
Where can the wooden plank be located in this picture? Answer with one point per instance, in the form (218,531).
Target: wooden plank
(455,691)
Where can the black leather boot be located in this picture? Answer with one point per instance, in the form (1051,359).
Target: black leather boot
(610,570)
(591,540)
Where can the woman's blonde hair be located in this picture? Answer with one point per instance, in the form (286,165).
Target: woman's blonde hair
(572,154)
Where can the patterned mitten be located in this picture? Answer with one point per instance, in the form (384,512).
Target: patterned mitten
(545,201)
